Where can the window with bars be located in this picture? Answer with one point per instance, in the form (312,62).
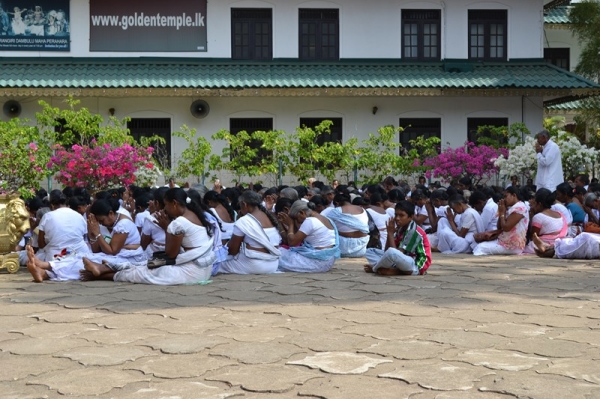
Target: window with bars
(251,34)
(416,127)
(148,127)
(319,34)
(560,57)
(488,35)
(251,125)
(421,34)
(473,125)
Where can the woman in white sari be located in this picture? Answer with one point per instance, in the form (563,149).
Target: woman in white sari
(352,223)
(314,247)
(189,246)
(61,231)
(153,236)
(254,245)
(221,209)
(113,238)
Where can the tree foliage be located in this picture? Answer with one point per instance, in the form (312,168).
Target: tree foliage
(585,25)
(24,153)
(195,158)
(380,155)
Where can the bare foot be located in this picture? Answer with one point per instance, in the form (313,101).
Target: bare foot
(548,253)
(388,271)
(392,271)
(539,244)
(97,269)
(84,275)
(38,274)
(368,269)
(434,249)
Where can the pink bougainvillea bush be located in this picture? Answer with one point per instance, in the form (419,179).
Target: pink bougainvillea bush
(99,166)
(472,160)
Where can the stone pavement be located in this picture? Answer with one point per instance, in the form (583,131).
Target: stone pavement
(472,328)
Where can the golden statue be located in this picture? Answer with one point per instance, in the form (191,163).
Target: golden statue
(14,223)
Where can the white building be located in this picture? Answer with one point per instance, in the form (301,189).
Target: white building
(442,67)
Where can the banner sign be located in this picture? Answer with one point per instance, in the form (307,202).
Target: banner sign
(148,26)
(43,25)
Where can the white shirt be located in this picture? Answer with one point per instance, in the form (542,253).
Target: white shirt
(550,171)
(63,228)
(140,217)
(317,234)
(470,219)
(489,215)
(560,208)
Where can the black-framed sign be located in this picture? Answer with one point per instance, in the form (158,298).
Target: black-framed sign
(148,26)
(41,25)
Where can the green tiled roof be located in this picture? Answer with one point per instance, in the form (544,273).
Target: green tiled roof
(227,74)
(558,15)
(568,106)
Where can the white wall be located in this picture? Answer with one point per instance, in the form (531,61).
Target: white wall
(561,38)
(368,29)
(358,118)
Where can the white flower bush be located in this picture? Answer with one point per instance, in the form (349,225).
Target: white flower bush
(521,160)
(576,157)
(147,177)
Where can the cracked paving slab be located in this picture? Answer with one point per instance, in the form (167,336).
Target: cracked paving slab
(540,386)
(118,336)
(252,334)
(39,346)
(256,352)
(512,330)
(105,355)
(357,387)
(73,316)
(19,367)
(331,341)
(179,366)
(578,369)
(498,359)
(271,378)
(182,344)
(407,350)
(53,330)
(95,383)
(339,362)
(548,347)
(185,389)
(466,339)
(439,376)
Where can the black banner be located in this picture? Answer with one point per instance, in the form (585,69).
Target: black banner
(148,26)
(42,25)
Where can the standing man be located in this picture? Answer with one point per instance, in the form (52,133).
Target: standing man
(550,171)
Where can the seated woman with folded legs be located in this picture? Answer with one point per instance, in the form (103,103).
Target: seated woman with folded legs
(546,224)
(458,239)
(352,223)
(113,237)
(254,244)
(511,236)
(583,246)
(314,247)
(221,209)
(189,242)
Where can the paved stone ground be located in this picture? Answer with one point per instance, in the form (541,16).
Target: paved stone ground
(472,328)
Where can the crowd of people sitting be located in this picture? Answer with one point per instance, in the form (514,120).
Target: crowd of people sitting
(171,235)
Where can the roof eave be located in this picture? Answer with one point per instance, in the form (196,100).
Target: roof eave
(17,92)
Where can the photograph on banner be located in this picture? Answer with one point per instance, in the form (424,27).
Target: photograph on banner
(148,26)
(42,25)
